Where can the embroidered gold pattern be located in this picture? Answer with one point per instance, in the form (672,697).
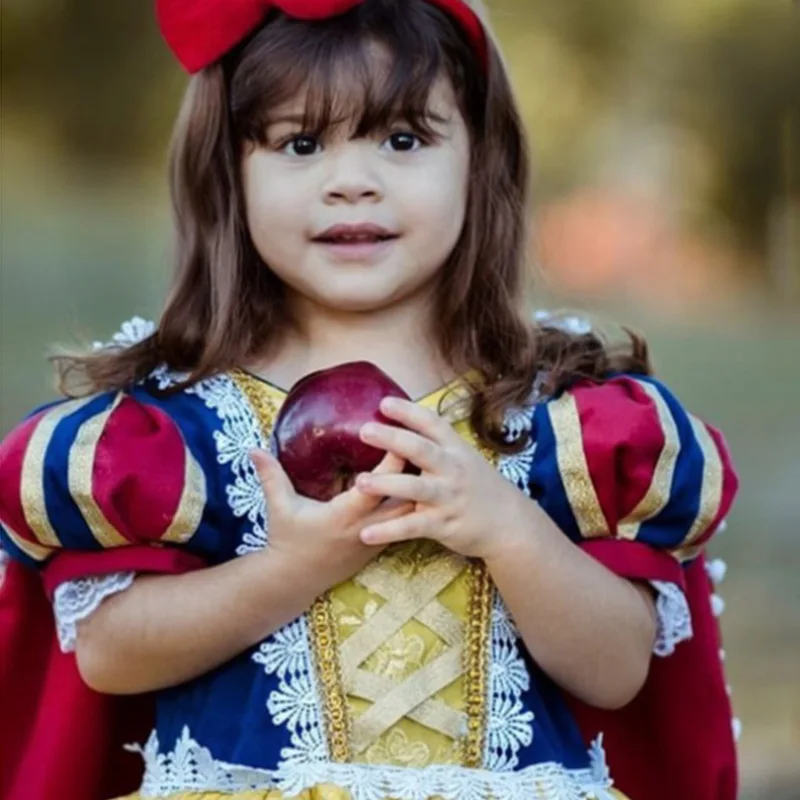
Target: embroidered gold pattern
(259,398)
(405,697)
(397,659)
(385,643)
(402,607)
(434,615)
(399,655)
(324,642)
(398,750)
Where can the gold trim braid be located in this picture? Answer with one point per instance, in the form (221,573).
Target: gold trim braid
(477,652)
(476,658)
(257,396)
(336,711)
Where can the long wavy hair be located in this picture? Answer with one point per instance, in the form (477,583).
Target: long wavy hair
(226,305)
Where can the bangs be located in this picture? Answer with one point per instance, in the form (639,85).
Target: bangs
(367,69)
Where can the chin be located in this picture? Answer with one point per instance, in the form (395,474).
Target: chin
(358,304)
(361,298)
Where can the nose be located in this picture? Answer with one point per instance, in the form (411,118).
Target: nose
(353,177)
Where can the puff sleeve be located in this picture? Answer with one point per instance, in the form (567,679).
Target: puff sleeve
(104,484)
(633,479)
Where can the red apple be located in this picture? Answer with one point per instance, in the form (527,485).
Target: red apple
(317,430)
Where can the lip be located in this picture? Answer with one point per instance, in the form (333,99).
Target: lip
(343,230)
(365,251)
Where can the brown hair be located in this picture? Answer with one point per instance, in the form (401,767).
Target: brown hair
(226,305)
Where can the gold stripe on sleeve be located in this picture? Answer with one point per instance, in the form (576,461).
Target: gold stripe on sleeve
(574,469)
(660,489)
(32,488)
(80,477)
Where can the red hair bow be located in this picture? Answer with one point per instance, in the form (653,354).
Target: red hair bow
(201,31)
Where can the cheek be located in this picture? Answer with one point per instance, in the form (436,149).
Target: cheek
(436,207)
(271,212)
(270,191)
(265,209)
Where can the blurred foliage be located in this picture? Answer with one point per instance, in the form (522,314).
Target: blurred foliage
(95,74)
(95,77)
(747,107)
(725,73)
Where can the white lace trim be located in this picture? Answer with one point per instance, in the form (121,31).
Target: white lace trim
(240,433)
(674,620)
(509,725)
(569,323)
(76,600)
(287,652)
(191,767)
(132,332)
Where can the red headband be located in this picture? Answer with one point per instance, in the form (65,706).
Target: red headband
(201,31)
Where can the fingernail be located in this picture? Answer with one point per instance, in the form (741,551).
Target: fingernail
(362,480)
(368,430)
(388,403)
(368,536)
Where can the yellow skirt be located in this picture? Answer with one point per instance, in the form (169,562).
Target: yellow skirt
(323,792)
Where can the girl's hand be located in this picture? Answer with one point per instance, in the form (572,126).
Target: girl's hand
(320,542)
(459,498)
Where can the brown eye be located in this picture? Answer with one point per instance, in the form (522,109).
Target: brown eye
(403,142)
(302,145)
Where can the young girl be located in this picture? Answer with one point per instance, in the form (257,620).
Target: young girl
(350,182)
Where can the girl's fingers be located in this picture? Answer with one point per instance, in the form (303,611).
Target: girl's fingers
(277,487)
(406,444)
(390,464)
(357,502)
(354,502)
(419,525)
(388,510)
(414,488)
(418,418)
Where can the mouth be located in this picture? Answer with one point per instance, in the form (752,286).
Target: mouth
(355,235)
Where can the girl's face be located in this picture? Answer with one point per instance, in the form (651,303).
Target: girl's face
(358,223)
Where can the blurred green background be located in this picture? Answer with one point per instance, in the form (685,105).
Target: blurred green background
(667,153)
